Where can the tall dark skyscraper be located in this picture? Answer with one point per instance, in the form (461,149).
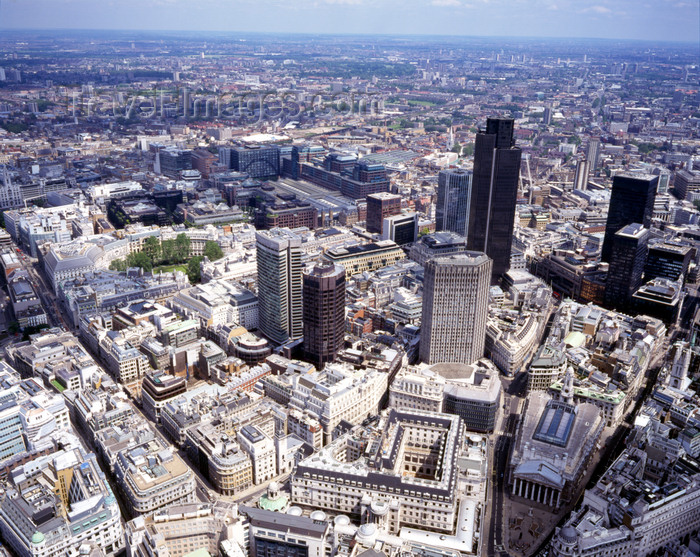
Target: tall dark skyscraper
(324,313)
(494,193)
(629,253)
(631,200)
(454,195)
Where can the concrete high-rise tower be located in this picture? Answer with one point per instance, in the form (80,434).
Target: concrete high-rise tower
(455,308)
(581,176)
(593,154)
(324,313)
(279,284)
(454,195)
(494,193)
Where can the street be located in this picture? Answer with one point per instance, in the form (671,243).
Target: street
(499,448)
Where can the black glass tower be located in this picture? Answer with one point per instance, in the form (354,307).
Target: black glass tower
(629,253)
(631,200)
(494,193)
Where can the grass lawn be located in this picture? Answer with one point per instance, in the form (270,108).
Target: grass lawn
(420,103)
(170,268)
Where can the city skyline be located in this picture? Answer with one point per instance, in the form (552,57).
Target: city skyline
(664,20)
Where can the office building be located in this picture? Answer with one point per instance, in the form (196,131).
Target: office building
(453,198)
(455,308)
(272,533)
(324,313)
(661,298)
(667,260)
(631,200)
(628,255)
(401,229)
(257,161)
(437,244)
(338,393)
(546,368)
(380,206)
(160,534)
(472,392)
(686,184)
(633,509)
(365,257)
(494,193)
(280,307)
(157,390)
(173,161)
(220,458)
(420,389)
(54,504)
(150,474)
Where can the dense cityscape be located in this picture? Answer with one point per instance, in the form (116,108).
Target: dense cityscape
(353,296)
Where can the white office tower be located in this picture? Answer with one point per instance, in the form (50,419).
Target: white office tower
(455,308)
(280,282)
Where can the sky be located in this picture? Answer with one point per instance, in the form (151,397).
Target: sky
(664,20)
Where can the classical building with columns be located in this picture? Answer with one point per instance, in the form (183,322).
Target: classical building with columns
(554,442)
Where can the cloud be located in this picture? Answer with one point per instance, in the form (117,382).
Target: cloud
(446,3)
(601,10)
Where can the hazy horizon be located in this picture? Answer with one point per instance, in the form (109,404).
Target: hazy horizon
(657,20)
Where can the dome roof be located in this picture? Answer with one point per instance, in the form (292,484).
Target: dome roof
(38,537)
(568,534)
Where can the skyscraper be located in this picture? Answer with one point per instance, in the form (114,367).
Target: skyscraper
(494,193)
(631,200)
(454,195)
(455,308)
(581,176)
(629,252)
(379,206)
(279,284)
(593,154)
(324,313)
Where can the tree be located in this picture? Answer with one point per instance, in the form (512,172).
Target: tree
(140,259)
(213,250)
(118,265)
(182,247)
(151,246)
(167,251)
(194,272)
(468,150)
